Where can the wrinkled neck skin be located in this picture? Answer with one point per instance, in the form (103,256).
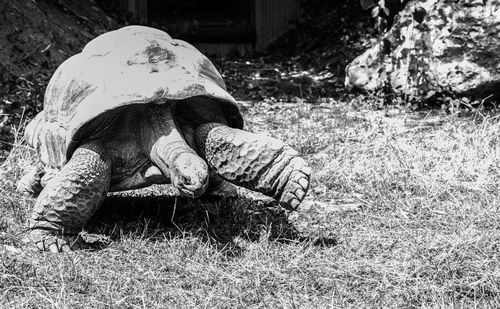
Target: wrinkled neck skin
(173,144)
(170,152)
(174,123)
(157,124)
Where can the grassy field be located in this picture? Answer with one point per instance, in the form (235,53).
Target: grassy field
(403,212)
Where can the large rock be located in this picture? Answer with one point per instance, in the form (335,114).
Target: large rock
(435,46)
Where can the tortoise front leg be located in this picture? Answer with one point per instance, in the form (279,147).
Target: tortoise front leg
(69,200)
(254,161)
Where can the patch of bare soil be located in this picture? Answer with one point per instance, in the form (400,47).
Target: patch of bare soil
(36,36)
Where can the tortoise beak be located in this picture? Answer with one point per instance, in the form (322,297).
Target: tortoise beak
(192,187)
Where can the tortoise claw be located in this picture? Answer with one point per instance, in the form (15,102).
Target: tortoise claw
(297,184)
(46,241)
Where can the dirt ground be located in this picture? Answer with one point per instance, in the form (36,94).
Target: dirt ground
(37,36)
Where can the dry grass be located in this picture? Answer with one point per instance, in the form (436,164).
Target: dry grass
(410,218)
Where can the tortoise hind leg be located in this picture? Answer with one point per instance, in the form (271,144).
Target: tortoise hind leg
(69,200)
(37,177)
(31,183)
(255,161)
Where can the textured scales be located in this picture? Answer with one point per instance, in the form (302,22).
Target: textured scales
(71,198)
(255,161)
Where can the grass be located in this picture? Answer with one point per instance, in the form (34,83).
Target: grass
(403,212)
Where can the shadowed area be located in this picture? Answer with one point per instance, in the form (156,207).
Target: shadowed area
(216,220)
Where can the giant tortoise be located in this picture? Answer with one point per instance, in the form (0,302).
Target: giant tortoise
(136,108)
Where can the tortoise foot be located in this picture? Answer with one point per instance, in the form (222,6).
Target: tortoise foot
(45,240)
(296,184)
(52,241)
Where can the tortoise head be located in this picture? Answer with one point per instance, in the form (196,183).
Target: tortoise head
(173,156)
(189,174)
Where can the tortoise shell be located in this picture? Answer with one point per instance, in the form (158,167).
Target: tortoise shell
(131,65)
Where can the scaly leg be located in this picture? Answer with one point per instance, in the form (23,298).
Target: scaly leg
(254,161)
(71,198)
